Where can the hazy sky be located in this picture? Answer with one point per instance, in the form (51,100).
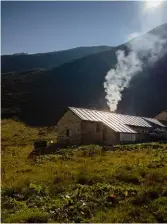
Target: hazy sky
(49,26)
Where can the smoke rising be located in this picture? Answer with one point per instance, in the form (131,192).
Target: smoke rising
(117,79)
(145,49)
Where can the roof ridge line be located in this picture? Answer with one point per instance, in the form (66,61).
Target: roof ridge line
(110,112)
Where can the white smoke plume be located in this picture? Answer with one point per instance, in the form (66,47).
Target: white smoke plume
(117,79)
(149,47)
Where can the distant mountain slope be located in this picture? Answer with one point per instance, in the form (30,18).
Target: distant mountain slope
(21,62)
(41,96)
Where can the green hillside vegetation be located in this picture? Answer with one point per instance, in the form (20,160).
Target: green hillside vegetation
(84,184)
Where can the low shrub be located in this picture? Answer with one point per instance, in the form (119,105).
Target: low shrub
(28,216)
(140,214)
(66,157)
(161,201)
(58,189)
(12,205)
(164,191)
(8,191)
(128,176)
(155,164)
(83,177)
(35,190)
(91,150)
(155,177)
(156,146)
(145,196)
(159,209)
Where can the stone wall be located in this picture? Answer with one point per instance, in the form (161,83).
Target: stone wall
(112,137)
(72,130)
(92,133)
(89,132)
(72,124)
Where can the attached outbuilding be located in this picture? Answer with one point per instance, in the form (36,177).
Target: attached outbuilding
(162,117)
(84,126)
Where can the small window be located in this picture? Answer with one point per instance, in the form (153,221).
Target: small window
(68,133)
(98,127)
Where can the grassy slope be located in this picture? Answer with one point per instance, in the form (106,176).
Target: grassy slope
(75,185)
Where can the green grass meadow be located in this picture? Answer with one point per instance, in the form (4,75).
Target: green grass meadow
(85,184)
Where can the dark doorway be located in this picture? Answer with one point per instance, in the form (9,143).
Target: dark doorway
(104,134)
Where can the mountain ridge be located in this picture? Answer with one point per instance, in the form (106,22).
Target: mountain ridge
(41,96)
(23,61)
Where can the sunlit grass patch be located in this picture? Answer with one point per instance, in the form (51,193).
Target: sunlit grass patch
(81,184)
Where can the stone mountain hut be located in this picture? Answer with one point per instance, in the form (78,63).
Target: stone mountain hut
(85,126)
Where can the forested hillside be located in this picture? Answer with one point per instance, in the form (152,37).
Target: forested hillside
(39,97)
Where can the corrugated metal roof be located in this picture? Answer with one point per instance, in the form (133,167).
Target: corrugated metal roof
(117,122)
(154,121)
